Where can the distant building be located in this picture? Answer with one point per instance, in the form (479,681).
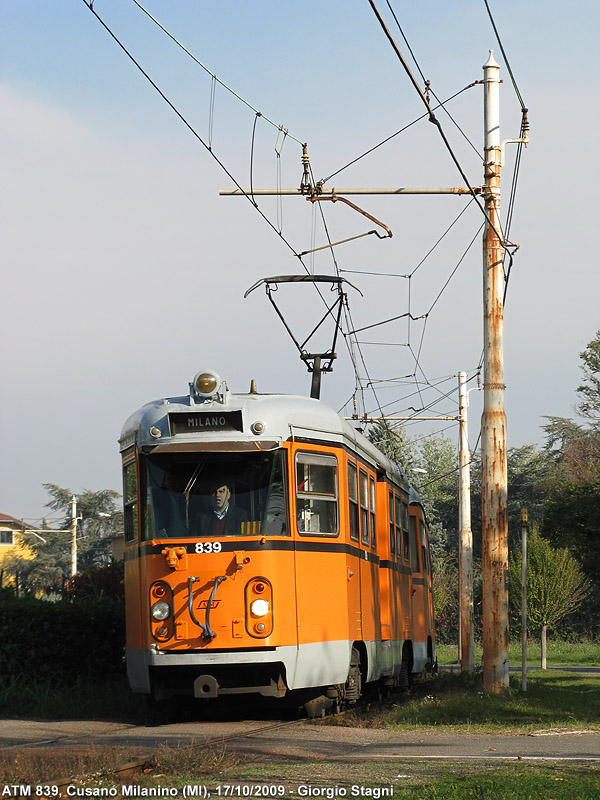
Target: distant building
(8,526)
(12,542)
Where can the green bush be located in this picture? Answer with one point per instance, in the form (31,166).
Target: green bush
(61,642)
(96,583)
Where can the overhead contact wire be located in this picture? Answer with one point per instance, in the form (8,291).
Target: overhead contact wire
(393,135)
(433,119)
(206,69)
(506,61)
(89,5)
(426,82)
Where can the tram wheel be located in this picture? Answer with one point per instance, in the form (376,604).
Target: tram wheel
(405,669)
(353,687)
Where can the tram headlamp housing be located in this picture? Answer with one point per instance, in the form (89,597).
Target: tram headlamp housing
(259,607)
(206,384)
(161,610)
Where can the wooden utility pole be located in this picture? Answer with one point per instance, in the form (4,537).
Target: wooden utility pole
(494,522)
(465,535)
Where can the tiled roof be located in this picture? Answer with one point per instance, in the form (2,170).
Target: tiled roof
(8,518)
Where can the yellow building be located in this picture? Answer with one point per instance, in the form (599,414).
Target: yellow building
(12,542)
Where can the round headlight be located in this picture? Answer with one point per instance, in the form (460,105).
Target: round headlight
(207,383)
(258,427)
(259,608)
(160,611)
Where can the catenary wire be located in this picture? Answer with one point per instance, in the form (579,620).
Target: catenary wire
(433,119)
(200,64)
(209,148)
(462,258)
(506,61)
(89,4)
(350,342)
(427,83)
(256,116)
(397,133)
(520,145)
(442,237)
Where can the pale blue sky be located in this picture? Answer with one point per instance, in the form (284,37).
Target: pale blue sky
(124,271)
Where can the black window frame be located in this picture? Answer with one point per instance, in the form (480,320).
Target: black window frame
(131,510)
(372,512)
(353,503)
(324,459)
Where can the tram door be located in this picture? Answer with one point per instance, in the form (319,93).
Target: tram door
(320,560)
(369,565)
(355,566)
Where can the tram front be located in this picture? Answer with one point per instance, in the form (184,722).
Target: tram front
(209,563)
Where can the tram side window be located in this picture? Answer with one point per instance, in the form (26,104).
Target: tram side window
(364,507)
(398,526)
(423,545)
(130,501)
(353,501)
(316,494)
(392,532)
(414,565)
(405,531)
(373,526)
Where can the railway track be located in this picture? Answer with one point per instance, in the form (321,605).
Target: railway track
(57,787)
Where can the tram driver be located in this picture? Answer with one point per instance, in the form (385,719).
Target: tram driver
(225,518)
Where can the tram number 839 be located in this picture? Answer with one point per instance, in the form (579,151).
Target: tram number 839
(208,547)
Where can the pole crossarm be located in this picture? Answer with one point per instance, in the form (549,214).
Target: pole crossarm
(411,419)
(401,190)
(41,530)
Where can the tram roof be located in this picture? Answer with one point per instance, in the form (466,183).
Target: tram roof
(283,417)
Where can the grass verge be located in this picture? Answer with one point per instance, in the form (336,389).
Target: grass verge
(407,781)
(560,653)
(553,700)
(218,774)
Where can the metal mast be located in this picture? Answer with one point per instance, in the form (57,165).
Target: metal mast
(494,521)
(73,535)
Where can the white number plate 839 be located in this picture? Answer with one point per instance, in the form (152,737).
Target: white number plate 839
(208,547)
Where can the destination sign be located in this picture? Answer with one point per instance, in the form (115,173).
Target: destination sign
(199,421)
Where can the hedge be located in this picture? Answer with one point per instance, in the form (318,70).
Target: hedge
(65,641)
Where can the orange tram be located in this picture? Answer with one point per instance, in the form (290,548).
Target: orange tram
(270,549)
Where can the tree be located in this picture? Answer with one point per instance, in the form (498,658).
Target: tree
(101,521)
(556,586)
(445,598)
(589,390)
(572,513)
(436,480)
(572,519)
(574,449)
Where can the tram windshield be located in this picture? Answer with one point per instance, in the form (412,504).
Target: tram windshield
(215,494)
